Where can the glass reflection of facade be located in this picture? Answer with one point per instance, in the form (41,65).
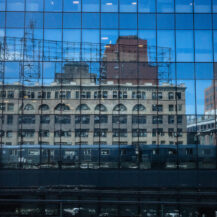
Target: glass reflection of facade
(108,84)
(130,79)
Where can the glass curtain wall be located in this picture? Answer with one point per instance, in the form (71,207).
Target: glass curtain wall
(108,84)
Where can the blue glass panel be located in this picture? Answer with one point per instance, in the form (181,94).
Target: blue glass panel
(90,45)
(2,33)
(53,5)
(202,6)
(165,6)
(2,19)
(184,21)
(147,21)
(53,34)
(12,16)
(109,20)
(109,37)
(214,6)
(34,5)
(72,35)
(15,5)
(146,6)
(109,5)
(71,44)
(128,21)
(128,33)
(150,36)
(203,46)
(53,20)
(34,20)
(215,45)
(214,21)
(165,21)
(185,71)
(166,45)
(184,6)
(2,5)
(90,6)
(72,5)
(184,46)
(15,33)
(202,21)
(71,20)
(128,5)
(90,20)
(204,71)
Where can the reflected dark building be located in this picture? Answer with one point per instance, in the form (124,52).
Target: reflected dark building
(126,61)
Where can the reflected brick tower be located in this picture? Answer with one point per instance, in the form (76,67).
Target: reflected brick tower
(211,95)
(127,62)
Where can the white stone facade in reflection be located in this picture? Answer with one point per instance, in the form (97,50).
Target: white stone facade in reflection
(84,112)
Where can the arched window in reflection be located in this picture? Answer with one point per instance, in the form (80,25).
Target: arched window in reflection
(139,107)
(100,107)
(28,107)
(120,108)
(44,107)
(82,107)
(62,107)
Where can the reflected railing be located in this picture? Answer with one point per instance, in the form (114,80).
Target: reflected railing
(31,49)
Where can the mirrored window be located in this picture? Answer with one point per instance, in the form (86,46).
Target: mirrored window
(204,71)
(184,6)
(2,5)
(215,6)
(202,21)
(90,20)
(109,5)
(2,19)
(146,6)
(202,6)
(53,34)
(128,5)
(184,46)
(71,20)
(185,71)
(15,5)
(74,6)
(166,39)
(165,21)
(53,20)
(147,21)
(109,20)
(214,21)
(165,6)
(34,5)
(215,45)
(184,21)
(128,21)
(90,6)
(53,5)
(203,46)
(34,20)
(12,16)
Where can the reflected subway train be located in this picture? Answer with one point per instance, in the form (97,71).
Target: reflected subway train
(109,156)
